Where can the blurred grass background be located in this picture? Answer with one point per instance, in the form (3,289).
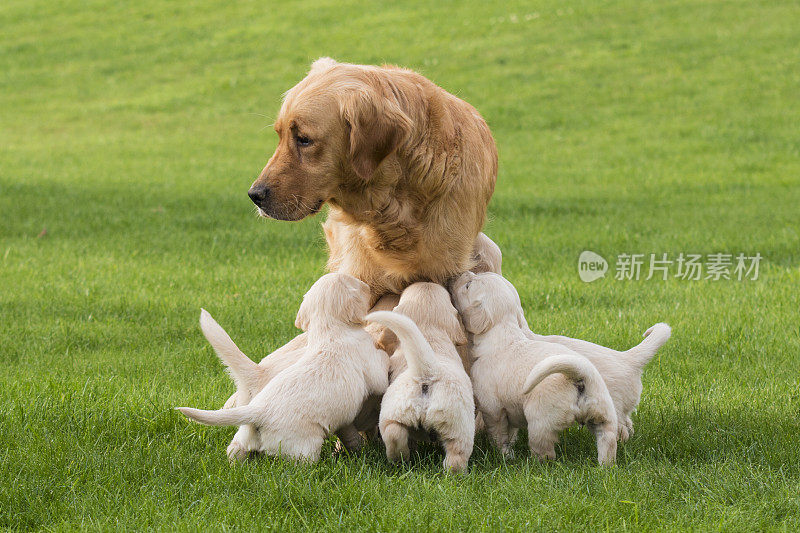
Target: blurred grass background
(130,132)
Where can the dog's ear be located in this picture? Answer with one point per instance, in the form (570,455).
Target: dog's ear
(377,128)
(455,329)
(303,320)
(478,318)
(354,296)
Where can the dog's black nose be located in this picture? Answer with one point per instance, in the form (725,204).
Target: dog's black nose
(259,194)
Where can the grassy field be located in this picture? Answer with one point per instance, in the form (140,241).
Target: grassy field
(130,132)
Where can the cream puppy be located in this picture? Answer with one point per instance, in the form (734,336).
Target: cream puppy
(486,255)
(269,367)
(287,355)
(621,371)
(505,357)
(321,393)
(430,390)
(488,301)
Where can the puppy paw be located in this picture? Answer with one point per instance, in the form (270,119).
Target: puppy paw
(456,464)
(237,451)
(625,429)
(508,452)
(231,402)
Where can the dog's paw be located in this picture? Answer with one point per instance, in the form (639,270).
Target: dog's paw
(237,451)
(625,429)
(508,452)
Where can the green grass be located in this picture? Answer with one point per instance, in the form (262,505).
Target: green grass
(131,132)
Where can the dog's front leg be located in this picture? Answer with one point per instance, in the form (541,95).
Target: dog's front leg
(497,427)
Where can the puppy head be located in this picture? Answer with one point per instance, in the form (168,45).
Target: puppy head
(484,300)
(335,128)
(334,298)
(429,305)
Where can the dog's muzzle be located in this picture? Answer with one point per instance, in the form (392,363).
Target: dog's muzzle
(259,194)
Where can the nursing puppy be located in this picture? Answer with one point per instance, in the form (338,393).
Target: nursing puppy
(621,371)
(287,355)
(486,256)
(430,390)
(322,392)
(406,168)
(505,359)
(492,305)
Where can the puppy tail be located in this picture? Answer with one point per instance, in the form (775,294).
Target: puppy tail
(245,373)
(575,367)
(597,406)
(419,354)
(655,337)
(235,416)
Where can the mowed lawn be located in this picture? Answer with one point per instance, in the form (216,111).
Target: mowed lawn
(131,131)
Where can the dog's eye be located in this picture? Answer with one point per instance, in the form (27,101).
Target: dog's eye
(302,140)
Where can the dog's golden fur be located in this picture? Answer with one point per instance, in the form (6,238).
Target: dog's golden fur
(407,169)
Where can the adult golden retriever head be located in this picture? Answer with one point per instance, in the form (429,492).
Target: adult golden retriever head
(335,128)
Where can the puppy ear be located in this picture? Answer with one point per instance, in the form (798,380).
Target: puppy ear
(478,318)
(455,329)
(354,302)
(303,320)
(377,128)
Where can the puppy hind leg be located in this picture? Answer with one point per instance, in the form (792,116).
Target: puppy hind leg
(497,427)
(605,433)
(542,444)
(244,442)
(457,453)
(307,450)
(395,437)
(232,402)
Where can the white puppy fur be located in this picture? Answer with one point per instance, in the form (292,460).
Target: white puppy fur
(269,367)
(621,371)
(505,357)
(287,355)
(322,393)
(488,302)
(430,390)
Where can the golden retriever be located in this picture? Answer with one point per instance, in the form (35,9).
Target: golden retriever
(406,167)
